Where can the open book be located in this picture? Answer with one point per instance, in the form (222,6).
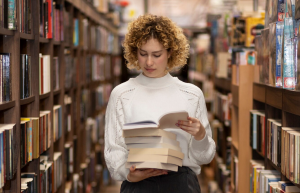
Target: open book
(165,121)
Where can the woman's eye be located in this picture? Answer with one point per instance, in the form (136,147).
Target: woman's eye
(143,54)
(157,56)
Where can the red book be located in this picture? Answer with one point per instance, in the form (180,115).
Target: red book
(50,15)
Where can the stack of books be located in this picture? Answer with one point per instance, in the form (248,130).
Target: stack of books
(150,146)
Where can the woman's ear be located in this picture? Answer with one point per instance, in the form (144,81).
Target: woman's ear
(169,53)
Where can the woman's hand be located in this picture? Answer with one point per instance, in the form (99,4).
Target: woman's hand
(193,127)
(136,175)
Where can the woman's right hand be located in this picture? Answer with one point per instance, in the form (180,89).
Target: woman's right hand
(136,175)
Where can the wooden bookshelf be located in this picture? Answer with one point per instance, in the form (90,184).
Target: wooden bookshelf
(277,103)
(17,43)
(223,83)
(241,90)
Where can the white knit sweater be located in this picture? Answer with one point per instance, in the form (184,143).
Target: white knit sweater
(144,98)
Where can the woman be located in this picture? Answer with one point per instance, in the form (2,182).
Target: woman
(155,45)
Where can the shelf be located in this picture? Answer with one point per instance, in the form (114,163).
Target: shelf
(43,40)
(259,92)
(27,100)
(26,36)
(7,105)
(235,95)
(235,145)
(291,102)
(43,96)
(56,92)
(56,43)
(259,153)
(273,165)
(223,83)
(4,31)
(274,96)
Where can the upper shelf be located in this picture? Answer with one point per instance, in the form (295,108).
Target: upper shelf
(7,105)
(259,92)
(4,31)
(26,36)
(223,83)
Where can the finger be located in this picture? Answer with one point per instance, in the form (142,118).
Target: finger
(132,168)
(156,173)
(184,122)
(193,119)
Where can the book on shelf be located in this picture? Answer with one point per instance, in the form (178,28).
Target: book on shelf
(7,151)
(257,130)
(76,32)
(58,168)
(265,51)
(57,122)
(44,73)
(25,16)
(25,78)
(5,78)
(9,14)
(68,114)
(45,130)
(29,180)
(274,141)
(56,73)
(255,167)
(68,161)
(46,174)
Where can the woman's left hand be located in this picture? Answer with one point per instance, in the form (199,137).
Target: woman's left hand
(192,126)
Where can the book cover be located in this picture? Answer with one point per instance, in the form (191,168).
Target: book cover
(281,10)
(154,158)
(11,15)
(46,19)
(153,145)
(265,51)
(157,151)
(50,15)
(157,165)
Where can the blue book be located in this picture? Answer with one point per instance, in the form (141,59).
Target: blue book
(288,55)
(254,131)
(279,41)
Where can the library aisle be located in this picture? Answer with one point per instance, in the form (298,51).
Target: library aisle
(61,59)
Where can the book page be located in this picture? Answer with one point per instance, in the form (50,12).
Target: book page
(169,120)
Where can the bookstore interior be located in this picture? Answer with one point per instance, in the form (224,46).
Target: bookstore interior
(243,56)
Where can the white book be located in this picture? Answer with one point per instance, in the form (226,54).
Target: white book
(154,139)
(156,165)
(153,145)
(154,158)
(166,121)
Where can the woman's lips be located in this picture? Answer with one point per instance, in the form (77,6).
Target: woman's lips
(149,70)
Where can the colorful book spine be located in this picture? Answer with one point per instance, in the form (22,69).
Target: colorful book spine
(279,41)
(11,14)
(288,56)
(281,10)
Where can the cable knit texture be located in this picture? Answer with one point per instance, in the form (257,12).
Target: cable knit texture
(144,98)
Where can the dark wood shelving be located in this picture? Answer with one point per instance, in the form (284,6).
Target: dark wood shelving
(44,96)
(223,84)
(27,100)
(7,105)
(235,94)
(259,153)
(274,96)
(4,31)
(26,36)
(56,92)
(56,43)
(259,92)
(291,101)
(43,40)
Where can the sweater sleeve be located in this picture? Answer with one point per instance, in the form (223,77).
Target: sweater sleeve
(115,151)
(203,151)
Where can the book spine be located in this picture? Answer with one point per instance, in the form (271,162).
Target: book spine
(29,16)
(4,78)
(1,77)
(288,59)
(61,23)
(41,18)
(279,41)
(46,19)
(42,75)
(1,13)
(279,146)
(26,77)
(11,15)
(22,77)
(29,76)
(50,15)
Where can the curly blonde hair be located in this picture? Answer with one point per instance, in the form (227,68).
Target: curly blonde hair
(165,31)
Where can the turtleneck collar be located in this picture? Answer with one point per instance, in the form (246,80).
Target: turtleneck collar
(154,82)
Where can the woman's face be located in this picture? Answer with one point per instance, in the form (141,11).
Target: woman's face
(153,58)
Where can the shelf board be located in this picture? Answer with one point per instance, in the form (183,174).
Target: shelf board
(274,96)
(4,31)
(259,92)
(291,101)
(43,40)
(7,105)
(273,165)
(235,94)
(57,43)
(223,83)
(56,92)
(259,153)
(27,100)
(43,96)
(26,36)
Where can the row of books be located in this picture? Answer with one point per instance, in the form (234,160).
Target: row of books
(8,14)
(35,136)
(70,64)
(262,180)
(100,96)
(258,130)
(7,132)
(25,77)
(51,20)
(5,78)
(222,108)
(100,67)
(222,176)
(44,73)
(25,16)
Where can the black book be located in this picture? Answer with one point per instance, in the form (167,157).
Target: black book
(3,78)
(7,156)
(5,13)
(7,77)
(26,77)
(22,72)
(41,18)
(46,19)
(29,16)
(29,76)
(279,146)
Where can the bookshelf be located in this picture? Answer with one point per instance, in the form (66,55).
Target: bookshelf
(277,103)
(17,43)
